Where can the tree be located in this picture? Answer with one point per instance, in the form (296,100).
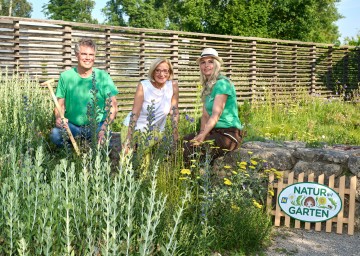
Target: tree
(303,20)
(136,13)
(17,8)
(238,17)
(353,41)
(70,10)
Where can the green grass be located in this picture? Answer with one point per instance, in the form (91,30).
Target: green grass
(313,120)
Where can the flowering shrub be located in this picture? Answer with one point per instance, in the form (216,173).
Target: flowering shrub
(231,210)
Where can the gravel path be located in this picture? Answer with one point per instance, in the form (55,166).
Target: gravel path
(301,242)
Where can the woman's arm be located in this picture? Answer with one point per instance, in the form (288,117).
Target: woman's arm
(206,127)
(174,111)
(204,118)
(135,112)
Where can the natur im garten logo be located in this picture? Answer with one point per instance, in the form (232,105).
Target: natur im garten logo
(310,202)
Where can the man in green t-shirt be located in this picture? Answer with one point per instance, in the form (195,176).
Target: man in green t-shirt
(75,94)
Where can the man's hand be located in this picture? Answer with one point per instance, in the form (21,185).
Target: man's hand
(61,123)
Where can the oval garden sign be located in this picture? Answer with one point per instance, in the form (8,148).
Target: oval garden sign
(309,201)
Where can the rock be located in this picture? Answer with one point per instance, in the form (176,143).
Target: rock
(307,154)
(317,168)
(354,164)
(260,145)
(278,158)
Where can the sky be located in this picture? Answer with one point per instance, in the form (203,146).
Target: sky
(349,26)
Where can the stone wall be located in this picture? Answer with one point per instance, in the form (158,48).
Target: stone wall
(295,156)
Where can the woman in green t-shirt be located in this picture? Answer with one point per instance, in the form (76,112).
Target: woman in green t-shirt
(219,121)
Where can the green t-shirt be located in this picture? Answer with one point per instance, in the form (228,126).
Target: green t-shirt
(229,117)
(77,94)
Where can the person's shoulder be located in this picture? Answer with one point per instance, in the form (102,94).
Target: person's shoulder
(174,83)
(223,79)
(145,82)
(68,72)
(100,71)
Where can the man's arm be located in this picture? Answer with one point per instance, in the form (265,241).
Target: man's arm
(113,112)
(58,121)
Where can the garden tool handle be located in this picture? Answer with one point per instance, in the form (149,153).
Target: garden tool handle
(49,83)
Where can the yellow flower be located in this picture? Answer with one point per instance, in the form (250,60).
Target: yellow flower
(257,204)
(250,153)
(185,171)
(193,160)
(211,142)
(235,207)
(252,167)
(234,172)
(193,165)
(243,163)
(227,166)
(253,162)
(227,182)
(247,175)
(322,200)
(271,192)
(278,174)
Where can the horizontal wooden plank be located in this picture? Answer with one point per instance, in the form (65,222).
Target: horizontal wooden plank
(45,48)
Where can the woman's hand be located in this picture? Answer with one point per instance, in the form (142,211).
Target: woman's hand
(198,139)
(126,147)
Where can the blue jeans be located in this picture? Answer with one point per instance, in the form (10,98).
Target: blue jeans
(83,132)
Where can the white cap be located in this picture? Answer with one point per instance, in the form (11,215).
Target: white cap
(209,52)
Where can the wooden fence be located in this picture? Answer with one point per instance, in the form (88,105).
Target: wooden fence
(44,48)
(347,194)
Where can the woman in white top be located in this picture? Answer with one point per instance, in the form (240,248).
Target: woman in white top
(158,92)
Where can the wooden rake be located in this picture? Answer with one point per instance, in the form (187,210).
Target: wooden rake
(49,83)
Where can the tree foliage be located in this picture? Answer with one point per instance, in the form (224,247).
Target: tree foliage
(70,10)
(303,20)
(353,41)
(19,8)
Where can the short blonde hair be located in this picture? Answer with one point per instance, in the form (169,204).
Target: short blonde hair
(156,63)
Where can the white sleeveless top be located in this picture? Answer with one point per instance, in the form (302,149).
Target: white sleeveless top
(161,100)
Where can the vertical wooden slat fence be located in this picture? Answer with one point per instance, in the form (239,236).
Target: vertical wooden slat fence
(346,193)
(257,66)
